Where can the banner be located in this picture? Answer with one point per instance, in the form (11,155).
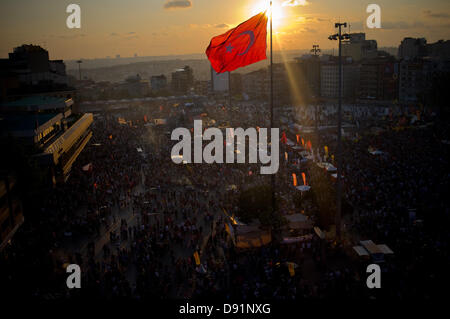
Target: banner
(197,258)
(294,179)
(291,269)
(304,178)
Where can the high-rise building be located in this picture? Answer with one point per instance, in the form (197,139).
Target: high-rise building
(158,82)
(236,83)
(307,75)
(29,71)
(255,85)
(439,49)
(220,82)
(182,80)
(378,79)
(358,48)
(329,79)
(412,48)
(135,86)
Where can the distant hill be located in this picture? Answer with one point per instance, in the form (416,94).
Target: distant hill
(117,69)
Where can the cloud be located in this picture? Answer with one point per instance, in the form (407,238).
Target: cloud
(73,36)
(430,14)
(177,4)
(114,34)
(302,19)
(132,32)
(294,3)
(221,26)
(403,25)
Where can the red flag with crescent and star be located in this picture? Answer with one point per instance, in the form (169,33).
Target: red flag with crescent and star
(240,46)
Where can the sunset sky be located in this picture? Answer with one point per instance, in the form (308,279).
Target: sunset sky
(165,27)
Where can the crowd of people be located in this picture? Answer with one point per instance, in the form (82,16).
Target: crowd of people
(141,226)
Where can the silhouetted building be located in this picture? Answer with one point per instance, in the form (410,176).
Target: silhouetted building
(358,48)
(158,82)
(307,75)
(236,83)
(412,48)
(29,71)
(182,80)
(220,82)
(329,78)
(378,79)
(135,86)
(439,49)
(255,85)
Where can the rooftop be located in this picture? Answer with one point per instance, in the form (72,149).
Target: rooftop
(37,103)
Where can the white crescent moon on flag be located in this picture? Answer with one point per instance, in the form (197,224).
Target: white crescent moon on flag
(252,40)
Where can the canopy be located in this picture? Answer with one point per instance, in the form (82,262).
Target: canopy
(299,221)
(303,188)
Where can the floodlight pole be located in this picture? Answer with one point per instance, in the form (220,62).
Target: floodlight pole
(339,139)
(272,177)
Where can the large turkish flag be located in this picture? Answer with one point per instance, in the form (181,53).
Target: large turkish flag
(240,46)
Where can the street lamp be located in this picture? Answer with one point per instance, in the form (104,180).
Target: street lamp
(339,36)
(315,49)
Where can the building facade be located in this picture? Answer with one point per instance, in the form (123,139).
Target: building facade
(358,48)
(158,82)
(378,79)
(182,80)
(329,79)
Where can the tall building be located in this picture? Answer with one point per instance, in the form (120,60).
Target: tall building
(307,75)
(182,80)
(236,83)
(158,82)
(29,71)
(255,85)
(358,48)
(329,79)
(135,86)
(412,48)
(220,82)
(378,79)
(439,49)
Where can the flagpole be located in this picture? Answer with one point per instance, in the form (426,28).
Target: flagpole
(272,177)
(229,88)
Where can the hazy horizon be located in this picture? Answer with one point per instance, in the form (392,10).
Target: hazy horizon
(168,27)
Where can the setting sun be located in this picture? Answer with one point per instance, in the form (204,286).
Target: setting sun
(277,10)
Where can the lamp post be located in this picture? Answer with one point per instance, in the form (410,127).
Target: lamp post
(339,36)
(315,49)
